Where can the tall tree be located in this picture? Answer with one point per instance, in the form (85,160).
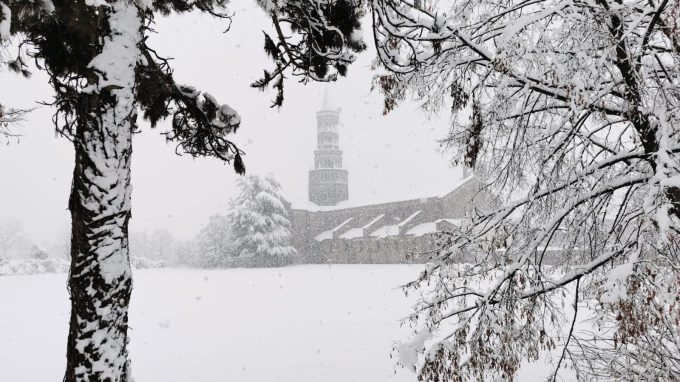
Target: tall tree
(570,111)
(102,71)
(259,221)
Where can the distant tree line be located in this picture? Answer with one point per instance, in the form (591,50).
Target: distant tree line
(16,243)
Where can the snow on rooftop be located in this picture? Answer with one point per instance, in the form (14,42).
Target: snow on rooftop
(359,232)
(423,229)
(457,222)
(413,192)
(393,230)
(431,227)
(386,230)
(373,221)
(408,219)
(327,235)
(353,233)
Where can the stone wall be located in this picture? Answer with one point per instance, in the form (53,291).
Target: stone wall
(364,246)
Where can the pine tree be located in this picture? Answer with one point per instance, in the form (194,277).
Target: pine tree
(259,221)
(102,71)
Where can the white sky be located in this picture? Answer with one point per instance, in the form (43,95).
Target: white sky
(387,157)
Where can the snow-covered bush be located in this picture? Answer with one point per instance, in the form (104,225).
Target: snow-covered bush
(39,253)
(145,262)
(259,221)
(33,266)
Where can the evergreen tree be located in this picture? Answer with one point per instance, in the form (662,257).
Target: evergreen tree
(259,221)
(102,70)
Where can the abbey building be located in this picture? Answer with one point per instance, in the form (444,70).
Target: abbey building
(333,228)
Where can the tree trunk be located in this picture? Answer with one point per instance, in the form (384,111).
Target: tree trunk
(100,280)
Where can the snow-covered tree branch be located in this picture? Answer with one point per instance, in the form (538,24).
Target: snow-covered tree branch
(569,110)
(9,118)
(314,40)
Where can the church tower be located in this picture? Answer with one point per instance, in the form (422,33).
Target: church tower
(327,181)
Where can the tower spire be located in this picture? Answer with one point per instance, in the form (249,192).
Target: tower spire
(328,180)
(326,105)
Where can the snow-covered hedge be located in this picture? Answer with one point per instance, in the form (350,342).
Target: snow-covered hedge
(145,262)
(33,266)
(54,265)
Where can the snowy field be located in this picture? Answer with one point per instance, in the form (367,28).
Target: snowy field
(295,324)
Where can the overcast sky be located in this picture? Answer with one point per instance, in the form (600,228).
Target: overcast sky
(387,157)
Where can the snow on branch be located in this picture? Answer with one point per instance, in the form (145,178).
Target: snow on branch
(315,40)
(5,22)
(200,125)
(9,118)
(568,112)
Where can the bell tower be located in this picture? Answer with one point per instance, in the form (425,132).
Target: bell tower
(328,180)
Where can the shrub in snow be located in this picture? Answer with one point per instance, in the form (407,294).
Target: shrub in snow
(145,262)
(33,267)
(38,253)
(259,221)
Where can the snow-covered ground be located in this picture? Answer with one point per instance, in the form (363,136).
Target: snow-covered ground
(294,324)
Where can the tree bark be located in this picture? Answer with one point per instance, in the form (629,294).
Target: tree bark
(100,282)
(633,80)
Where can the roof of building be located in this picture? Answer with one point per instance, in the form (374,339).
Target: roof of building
(393,229)
(359,231)
(431,227)
(326,235)
(435,190)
